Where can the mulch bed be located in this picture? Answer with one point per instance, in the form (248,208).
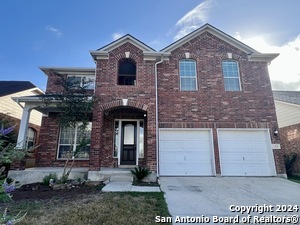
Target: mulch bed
(143,183)
(37,191)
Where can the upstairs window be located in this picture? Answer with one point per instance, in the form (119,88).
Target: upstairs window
(127,72)
(231,75)
(188,75)
(87,82)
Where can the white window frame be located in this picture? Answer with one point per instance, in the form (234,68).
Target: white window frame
(137,140)
(74,143)
(87,77)
(231,78)
(188,77)
(31,132)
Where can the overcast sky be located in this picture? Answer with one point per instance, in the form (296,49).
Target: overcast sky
(60,33)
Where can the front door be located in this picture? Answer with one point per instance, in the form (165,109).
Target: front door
(128,143)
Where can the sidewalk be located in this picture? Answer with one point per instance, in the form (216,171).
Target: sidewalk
(128,187)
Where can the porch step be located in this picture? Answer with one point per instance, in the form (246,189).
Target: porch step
(111,174)
(122,177)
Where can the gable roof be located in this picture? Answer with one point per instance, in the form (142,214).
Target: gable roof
(102,53)
(292,97)
(10,87)
(124,39)
(253,54)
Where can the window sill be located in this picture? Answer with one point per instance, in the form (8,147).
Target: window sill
(78,159)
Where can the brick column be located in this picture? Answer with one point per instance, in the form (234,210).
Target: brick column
(96,141)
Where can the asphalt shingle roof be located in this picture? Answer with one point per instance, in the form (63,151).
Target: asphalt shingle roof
(287,96)
(10,87)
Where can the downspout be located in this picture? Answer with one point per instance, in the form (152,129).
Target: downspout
(156,112)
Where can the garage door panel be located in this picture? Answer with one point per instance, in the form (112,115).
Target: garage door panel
(185,157)
(177,157)
(185,152)
(234,135)
(185,169)
(178,135)
(202,158)
(249,170)
(240,157)
(245,153)
(236,145)
(183,145)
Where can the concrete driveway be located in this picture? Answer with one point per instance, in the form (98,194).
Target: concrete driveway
(217,200)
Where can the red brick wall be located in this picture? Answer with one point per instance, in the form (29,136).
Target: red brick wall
(211,106)
(53,84)
(47,151)
(109,94)
(290,139)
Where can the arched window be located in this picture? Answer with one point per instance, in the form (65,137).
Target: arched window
(231,75)
(127,72)
(188,75)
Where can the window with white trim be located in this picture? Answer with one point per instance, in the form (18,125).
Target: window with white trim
(31,137)
(231,75)
(71,141)
(188,75)
(84,81)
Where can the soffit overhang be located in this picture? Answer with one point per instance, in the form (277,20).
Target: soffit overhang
(68,70)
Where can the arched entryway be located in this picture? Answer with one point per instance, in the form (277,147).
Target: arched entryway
(128,134)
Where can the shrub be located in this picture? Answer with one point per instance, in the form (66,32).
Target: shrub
(289,160)
(140,172)
(5,190)
(9,220)
(63,179)
(47,178)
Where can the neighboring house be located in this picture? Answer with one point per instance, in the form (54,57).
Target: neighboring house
(287,104)
(11,111)
(202,106)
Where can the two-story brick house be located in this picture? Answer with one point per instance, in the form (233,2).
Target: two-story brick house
(202,106)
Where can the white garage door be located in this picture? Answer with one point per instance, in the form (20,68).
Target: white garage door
(246,153)
(185,152)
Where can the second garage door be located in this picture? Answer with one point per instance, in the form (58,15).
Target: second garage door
(246,152)
(185,152)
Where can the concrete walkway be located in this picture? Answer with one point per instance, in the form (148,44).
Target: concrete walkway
(115,186)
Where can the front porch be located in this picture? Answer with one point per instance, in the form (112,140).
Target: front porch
(122,135)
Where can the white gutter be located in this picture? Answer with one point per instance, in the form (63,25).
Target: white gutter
(156,112)
(17,101)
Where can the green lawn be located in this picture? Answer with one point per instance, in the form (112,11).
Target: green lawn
(93,209)
(294,178)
